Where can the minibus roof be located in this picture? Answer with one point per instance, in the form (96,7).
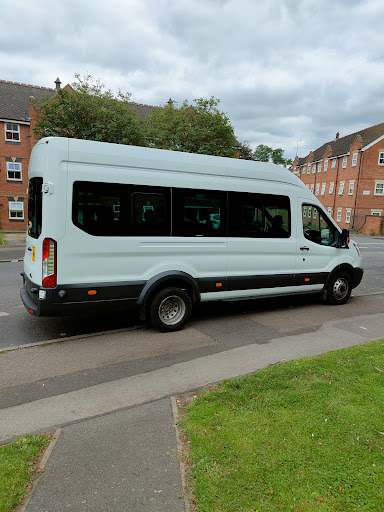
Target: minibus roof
(135,157)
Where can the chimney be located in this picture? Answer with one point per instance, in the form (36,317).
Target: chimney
(337,135)
(58,83)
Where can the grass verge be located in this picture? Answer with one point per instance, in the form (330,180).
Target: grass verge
(304,435)
(17,465)
(2,239)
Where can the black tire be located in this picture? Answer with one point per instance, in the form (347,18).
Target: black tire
(170,309)
(339,289)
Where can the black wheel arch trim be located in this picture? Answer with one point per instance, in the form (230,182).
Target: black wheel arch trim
(356,274)
(168,277)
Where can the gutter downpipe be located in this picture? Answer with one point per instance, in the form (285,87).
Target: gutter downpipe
(357,189)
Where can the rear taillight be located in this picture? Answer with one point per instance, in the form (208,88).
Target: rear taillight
(49,263)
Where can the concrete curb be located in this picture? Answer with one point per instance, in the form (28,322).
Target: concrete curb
(41,465)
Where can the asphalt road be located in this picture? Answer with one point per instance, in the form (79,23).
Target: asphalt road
(17,327)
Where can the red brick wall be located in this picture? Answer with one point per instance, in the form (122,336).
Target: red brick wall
(17,191)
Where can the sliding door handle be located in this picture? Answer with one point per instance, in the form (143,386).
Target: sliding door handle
(305,248)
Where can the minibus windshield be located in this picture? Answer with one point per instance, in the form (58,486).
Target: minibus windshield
(35,206)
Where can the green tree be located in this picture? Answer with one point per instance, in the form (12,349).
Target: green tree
(198,128)
(88,111)
(266,154)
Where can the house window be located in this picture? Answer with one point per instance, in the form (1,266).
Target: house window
(379,188)
(313,168)
(16,210)
(338,218)
(345,158)
(333,163)
(348,216)
(354,160)
(312,188)
(14,171)
(309,169)
(309,212)
(325,165)
(381,158)
(317,189)
(319,167)
(12,132)
(303,170)
(376,213)
(350,189)
(331,185)
(323,189)
(329,210)
(304,211)
(341,188)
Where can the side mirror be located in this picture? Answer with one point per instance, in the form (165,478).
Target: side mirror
(343,238)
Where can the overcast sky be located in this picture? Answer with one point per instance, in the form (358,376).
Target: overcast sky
(283,69)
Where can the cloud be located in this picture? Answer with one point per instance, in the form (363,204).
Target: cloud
(283,69)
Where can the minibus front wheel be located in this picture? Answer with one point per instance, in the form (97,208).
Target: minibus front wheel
(170,309)
(339,288)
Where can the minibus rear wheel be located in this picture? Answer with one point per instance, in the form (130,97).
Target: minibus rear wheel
(339,288)
(170,309)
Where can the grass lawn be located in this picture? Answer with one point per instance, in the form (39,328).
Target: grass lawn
(17,463)
(304,435)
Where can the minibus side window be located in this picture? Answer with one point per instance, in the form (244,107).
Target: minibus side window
(316,226)
(35,207)
(259,215)
(198,212)
(98,208)
(149,214)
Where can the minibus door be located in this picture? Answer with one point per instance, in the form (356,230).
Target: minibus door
(316,251)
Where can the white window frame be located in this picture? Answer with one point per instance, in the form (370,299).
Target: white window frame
(309,169)
(319,167)
(14,209)
(351,187)
(333,163)
(323,189)
(14,130)
(329,210)
(377,213)
(331,187)
(304,211)
(354,160)
(312,188)
(339,212)
(341,188)
(313,168)
(13,170)
(381,158)
(317,189)
(345,161)
(379,188)
(348,216)
(325,165)
(309,212)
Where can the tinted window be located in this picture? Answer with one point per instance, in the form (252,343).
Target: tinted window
(198,212)
(113,209)
(316,226)
(35,206)
(259,215)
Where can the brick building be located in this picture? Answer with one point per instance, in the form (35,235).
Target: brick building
(347,176)
(16,143)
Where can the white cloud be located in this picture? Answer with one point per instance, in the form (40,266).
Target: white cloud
(283,69)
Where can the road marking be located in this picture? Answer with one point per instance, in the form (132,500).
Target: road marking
(3,313)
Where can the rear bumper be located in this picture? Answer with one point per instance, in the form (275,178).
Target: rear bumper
(75,299)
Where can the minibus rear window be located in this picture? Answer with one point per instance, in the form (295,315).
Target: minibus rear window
(35,207)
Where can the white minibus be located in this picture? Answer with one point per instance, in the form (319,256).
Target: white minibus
(112,227)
